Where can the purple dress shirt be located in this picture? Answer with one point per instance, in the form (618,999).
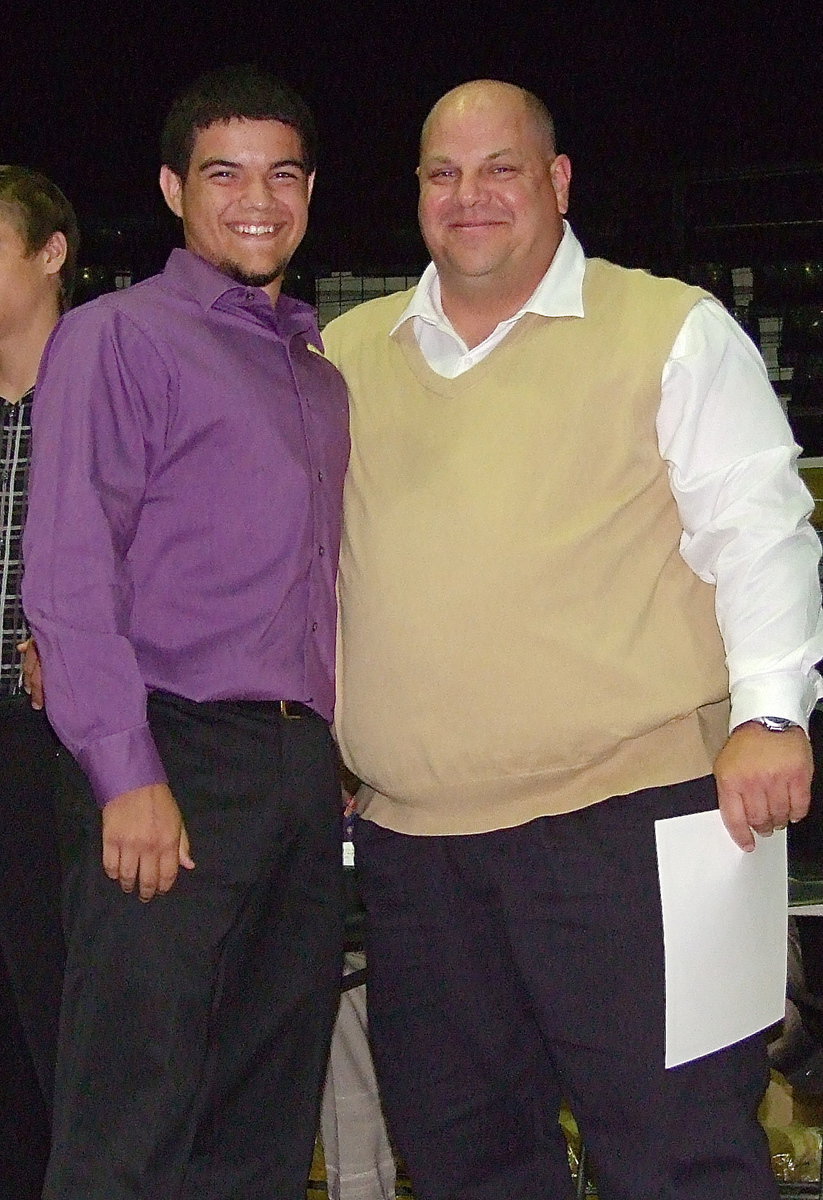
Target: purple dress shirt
(184,511)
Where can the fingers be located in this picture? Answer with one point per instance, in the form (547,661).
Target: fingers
(184,857)
(772,806)
(34,687)
(111,859)
(763,781)
(167,868)
(152,874)
(149,877)
(800,797)
(159,872)
(32,676)
(768,811)
(129,867)
(756,812)
(144,841)
(734,816)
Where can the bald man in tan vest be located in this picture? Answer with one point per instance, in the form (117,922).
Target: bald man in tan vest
(578,594)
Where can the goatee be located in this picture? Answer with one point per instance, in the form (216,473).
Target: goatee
(253,278)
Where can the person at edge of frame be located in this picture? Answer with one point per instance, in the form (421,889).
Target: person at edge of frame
(38,256)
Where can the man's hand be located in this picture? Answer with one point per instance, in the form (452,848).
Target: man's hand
(145,840)
(763,781)
(32,676)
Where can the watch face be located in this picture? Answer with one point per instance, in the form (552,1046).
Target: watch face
(777,724)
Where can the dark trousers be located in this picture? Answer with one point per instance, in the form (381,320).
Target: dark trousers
(195,1028)
(510,969)
(31,943)
(806,854)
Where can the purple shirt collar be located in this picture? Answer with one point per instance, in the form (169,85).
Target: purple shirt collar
(211,288)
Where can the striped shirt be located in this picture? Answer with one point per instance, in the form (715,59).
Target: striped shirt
(15,447)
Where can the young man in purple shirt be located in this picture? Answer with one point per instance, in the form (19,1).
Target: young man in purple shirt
(181,551)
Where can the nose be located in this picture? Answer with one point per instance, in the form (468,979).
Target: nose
(258,193)
(470,188)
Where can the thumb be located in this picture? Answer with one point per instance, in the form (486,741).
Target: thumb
(183,855)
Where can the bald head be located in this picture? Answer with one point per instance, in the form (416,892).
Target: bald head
(493,191)
(494,95)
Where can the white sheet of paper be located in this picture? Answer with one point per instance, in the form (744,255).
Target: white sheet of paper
(724,931)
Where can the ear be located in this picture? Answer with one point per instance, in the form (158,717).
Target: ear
(310,184)
(561,177)
(54,253)
(171,185)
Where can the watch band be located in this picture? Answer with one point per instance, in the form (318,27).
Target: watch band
(776,724)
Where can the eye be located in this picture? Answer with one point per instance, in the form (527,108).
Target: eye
(442,173)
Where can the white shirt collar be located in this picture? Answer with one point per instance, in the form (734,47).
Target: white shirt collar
(558,294)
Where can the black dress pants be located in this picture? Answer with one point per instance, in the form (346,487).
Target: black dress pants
(510,969)
(31,943)
(195,1028)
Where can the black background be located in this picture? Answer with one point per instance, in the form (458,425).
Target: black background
(640,91)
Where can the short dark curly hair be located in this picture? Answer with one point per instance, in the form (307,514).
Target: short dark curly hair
(242,92)
(38,209)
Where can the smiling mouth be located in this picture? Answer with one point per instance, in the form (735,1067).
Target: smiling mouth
(255,230)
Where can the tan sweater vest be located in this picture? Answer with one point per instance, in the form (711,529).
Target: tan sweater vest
(519,635)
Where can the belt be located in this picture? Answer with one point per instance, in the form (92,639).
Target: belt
(295,710)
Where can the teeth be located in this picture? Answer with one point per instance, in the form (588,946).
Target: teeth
(255,230)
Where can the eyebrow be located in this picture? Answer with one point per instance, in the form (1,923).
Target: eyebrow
(227,162)
(446,158)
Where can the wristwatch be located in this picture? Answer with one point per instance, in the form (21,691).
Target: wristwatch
(776,724)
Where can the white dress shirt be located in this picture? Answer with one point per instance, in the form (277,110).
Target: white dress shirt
(730,455)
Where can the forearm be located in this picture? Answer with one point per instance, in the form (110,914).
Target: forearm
(96,703)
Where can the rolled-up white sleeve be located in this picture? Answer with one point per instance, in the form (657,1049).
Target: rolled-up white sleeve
(744,509)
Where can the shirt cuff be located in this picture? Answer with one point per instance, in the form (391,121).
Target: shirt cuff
(786,694)
(121,762)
